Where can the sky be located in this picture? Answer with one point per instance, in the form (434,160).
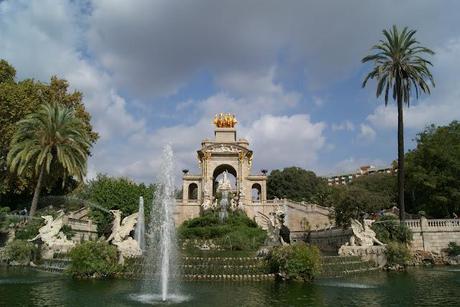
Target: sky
(156,72)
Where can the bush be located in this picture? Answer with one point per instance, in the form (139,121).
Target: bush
(237,233)
(30,229)
(397,254)
(20,251)
(388,229)
(300,261)
(94,259)
(453,249)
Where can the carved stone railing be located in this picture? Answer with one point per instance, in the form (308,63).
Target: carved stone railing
(433,224)
(412,223)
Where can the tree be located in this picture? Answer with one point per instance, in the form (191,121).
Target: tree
(354,201)
(52,134)
(433,171)
(293,183)
(399,68)
(17,100)
(383,184)
(7,72)
(115,194)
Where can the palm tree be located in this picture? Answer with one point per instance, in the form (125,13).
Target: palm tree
(400,68)
(52,134)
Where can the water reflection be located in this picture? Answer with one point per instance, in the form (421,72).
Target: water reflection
(418,287)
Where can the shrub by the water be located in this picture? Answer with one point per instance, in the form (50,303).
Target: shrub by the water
(388,229)
(453,249)
(94,259)
(300,262)
(20,251)
(238,232)
(397,254)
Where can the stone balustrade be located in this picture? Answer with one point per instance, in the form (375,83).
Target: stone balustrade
(433,235)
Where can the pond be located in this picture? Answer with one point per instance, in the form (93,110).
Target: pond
(438,286)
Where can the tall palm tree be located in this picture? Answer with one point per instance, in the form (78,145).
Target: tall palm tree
(400,68)
(51,134)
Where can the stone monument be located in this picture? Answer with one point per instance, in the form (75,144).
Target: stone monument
(121,235)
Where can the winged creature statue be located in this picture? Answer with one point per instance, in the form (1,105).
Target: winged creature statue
(273,224)
(121,235)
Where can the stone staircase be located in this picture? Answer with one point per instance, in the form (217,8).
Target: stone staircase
(338,266)
(53,265)
(215,268)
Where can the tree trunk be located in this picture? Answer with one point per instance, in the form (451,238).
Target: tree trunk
(38,187)
(402,209)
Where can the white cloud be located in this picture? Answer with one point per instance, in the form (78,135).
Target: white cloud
(345,125)
(366,133)
(281,141)
(157,46)
(277,140)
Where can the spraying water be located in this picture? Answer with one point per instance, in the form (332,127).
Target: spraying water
(161,245)
(139,234)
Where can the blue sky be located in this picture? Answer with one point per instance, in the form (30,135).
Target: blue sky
(154,72)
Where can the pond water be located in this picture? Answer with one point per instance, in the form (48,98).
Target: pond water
(439,286)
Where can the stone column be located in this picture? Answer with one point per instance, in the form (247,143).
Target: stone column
(423,227)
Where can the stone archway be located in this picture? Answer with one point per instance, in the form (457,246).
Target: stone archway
(256,192)
(193,191)
(219,170)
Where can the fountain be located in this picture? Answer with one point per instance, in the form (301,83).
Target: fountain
(139,234)
(160,262)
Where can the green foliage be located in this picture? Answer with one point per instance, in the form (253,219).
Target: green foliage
(94,259)
(388,229)
(353,201)
(400,66)
(237,233)
(298,261)
(20,251)
(115,194)
(17,100)
(30,229)
(294,183)
(7,72)
(433,172)
(4,220)
(68,231)
(397,254)
(382,184)
(453,249)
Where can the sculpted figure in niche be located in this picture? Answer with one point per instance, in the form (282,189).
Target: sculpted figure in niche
(224,183)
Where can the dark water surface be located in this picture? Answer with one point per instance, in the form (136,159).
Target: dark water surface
(439,286)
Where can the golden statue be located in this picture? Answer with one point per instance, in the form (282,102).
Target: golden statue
(225,120)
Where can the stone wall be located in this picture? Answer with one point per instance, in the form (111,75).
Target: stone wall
(435,234)
(186,211)
(330,240)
